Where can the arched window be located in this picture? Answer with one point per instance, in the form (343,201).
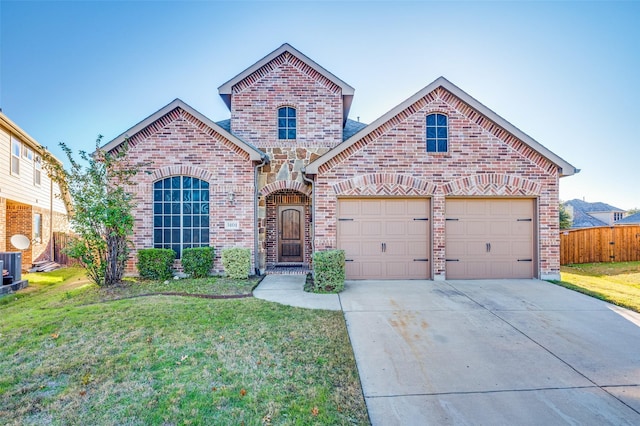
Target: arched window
(437,133)
(286,123)
(180,213)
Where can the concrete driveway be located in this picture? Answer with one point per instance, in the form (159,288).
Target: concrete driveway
(492,352)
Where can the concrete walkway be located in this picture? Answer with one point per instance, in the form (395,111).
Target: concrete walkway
(493,352)
(289,290)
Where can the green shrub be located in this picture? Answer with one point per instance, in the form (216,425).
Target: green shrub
(155,264)
(197,261)
(328,271)
(237,262)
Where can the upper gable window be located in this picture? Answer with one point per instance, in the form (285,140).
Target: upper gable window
(437,133)
(286,123)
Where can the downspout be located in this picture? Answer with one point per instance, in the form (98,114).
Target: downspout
(51,248)
(256,232)
(313,209)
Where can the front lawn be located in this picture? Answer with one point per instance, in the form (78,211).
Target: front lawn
(617,283)
(76,354)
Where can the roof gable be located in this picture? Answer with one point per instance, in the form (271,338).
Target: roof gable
(566,169)
(226,89)
(254,153)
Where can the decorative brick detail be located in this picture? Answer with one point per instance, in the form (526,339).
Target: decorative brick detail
(286,185)
(384,184)
(492,184)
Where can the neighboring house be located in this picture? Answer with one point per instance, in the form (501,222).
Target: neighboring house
(633,219)
(438,187)
(30,202)
(586,215)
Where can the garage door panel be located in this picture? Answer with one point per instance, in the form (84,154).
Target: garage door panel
(349,228)
(417,228)
(488,237)
(395,227)
(352,248)
(371,229)
(475,228)
(371,208)
(521,249)
(417,249)
(395,208)
(382,238)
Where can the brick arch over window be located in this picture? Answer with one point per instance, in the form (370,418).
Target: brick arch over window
(384,184)
(286,184)
(492,184)
(182,170)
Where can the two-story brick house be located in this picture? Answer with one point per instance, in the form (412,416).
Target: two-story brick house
(438,187)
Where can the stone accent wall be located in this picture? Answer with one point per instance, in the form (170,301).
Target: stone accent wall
(483,160)
(179,144)
(285,81)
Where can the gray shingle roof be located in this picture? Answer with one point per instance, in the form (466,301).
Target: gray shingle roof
(633,219)
(584,220)
(351,127)
(585,206)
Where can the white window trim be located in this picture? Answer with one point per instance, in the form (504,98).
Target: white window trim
(13,156)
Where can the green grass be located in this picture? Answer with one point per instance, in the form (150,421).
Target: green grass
(617,283)
(75,354)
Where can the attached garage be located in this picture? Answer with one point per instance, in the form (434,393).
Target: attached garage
(385,238)
(490,238)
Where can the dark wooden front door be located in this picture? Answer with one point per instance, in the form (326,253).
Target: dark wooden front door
(290,233)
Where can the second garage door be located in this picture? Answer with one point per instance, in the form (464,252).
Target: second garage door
(385,238)
(489,238)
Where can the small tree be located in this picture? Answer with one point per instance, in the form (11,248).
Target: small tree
(565,218)
(101,209)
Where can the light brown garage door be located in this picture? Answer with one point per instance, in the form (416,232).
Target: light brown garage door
(385,238)
(489,238)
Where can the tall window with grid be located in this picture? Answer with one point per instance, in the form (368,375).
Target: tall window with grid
(286,123)
(180,213)
(437,133)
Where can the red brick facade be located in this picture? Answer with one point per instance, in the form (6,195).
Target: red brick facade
(485,158)
(180,145)
(482,160)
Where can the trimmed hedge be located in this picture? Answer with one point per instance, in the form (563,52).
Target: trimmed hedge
(197,261)
(237,262)
(155,263)
(328,271)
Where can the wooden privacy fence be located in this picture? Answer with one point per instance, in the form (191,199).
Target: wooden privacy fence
(600,244)
(60,241)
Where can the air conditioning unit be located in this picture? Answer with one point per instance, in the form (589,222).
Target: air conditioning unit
(12,263)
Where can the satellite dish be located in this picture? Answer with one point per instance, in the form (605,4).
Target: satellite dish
(21,242)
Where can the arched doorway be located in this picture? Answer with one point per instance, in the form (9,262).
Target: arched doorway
(288,228)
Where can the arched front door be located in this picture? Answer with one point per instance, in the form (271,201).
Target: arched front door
(290,233)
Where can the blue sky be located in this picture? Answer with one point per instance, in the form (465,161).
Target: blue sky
(565,73)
